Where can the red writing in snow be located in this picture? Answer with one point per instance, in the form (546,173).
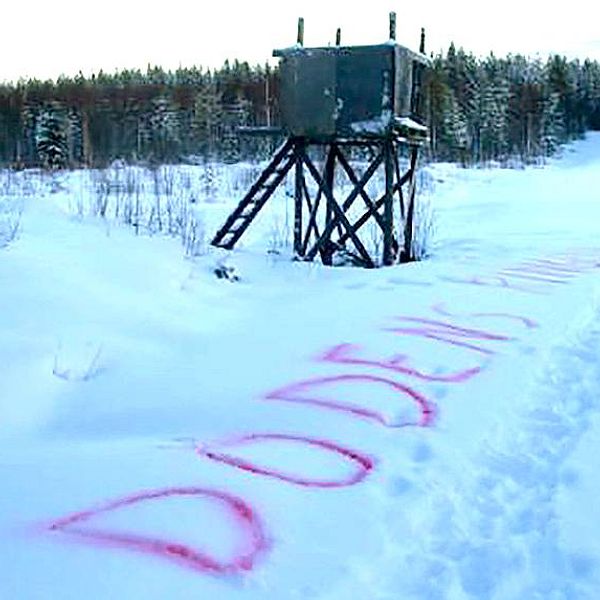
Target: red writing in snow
(253,541)
(363,463)
(446,333)
(308,392)
(348,354)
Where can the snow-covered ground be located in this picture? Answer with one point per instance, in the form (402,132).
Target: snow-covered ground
(421,431)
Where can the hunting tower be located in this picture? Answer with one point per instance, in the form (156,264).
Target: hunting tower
(333,101)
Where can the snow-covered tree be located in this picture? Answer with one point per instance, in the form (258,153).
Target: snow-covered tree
(164,128)
(51,137)
(208,118)
(552,125)
(454,133)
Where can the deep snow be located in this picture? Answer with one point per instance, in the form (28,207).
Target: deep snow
(420,431)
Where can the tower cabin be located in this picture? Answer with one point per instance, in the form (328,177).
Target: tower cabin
(339,98)
(351,92)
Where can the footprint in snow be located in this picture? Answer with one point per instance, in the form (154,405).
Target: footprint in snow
(527,349)
(422,453)
(440,392)
(400,486)
(398,281)
(583,566)
(569,478)
(355,286)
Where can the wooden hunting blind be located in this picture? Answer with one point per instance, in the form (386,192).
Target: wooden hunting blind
(349,91)
(337,99)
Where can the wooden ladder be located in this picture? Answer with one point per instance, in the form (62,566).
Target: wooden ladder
(262,189)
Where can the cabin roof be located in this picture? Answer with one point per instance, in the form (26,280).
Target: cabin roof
(297,51)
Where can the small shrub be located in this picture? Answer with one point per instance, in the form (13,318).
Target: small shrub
(11,212)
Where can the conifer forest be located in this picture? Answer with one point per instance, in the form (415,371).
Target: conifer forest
(478,110)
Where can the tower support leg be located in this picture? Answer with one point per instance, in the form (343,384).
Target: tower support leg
(298,197)
(407,254)
(388,204)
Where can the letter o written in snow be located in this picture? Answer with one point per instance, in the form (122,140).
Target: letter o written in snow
(362,464)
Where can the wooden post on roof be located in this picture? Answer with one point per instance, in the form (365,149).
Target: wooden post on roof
(392,26)
(338,37)
(417,80)
(300,38)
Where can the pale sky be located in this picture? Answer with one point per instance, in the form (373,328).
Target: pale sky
(45,38)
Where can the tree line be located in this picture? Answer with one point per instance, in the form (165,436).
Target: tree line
(478,109)
(497,108)
(154,116)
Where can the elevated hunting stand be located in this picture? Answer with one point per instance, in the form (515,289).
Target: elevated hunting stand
(339,99)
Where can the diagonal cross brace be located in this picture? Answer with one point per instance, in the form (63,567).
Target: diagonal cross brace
(313,209)
(340,217)
(376,206)
(366,198)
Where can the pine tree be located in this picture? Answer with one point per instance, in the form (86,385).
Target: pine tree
(453,135)
(436,93)
(235,115)
(552,125)
(164,129)
(493,119)
(51,138)
(207,120)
